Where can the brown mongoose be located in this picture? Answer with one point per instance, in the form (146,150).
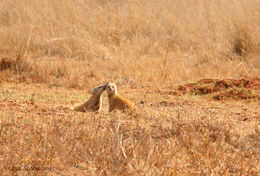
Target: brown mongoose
(115,100)
(94,103)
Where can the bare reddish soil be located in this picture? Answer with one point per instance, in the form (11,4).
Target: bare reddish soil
(224,89)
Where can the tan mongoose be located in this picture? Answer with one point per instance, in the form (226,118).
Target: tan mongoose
(115,100)
(94,103)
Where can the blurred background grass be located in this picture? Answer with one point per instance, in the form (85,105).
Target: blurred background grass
(85,42)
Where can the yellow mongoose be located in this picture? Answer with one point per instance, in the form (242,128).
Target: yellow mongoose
(94,103)
(115,100)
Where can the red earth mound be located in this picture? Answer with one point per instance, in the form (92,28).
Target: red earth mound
(224,89)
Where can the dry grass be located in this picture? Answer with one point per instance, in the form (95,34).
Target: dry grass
(169,136)
(146,47)
(80,43)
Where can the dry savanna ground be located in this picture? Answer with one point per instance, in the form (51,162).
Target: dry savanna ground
(171,133)
(192,67)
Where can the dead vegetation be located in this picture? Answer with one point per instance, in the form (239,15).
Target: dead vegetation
(50,51)
(177,41)
(188,138)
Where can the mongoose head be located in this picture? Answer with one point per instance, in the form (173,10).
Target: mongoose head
(111,89)
(98,90)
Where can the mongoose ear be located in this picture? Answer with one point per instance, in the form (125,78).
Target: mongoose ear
(90,91)
(105,83)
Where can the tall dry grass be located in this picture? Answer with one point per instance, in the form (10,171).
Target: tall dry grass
(54,142)
(138,43)
(77,43)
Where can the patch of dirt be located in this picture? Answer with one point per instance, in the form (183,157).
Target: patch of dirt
(224,89)
(236,94)
(30,106)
